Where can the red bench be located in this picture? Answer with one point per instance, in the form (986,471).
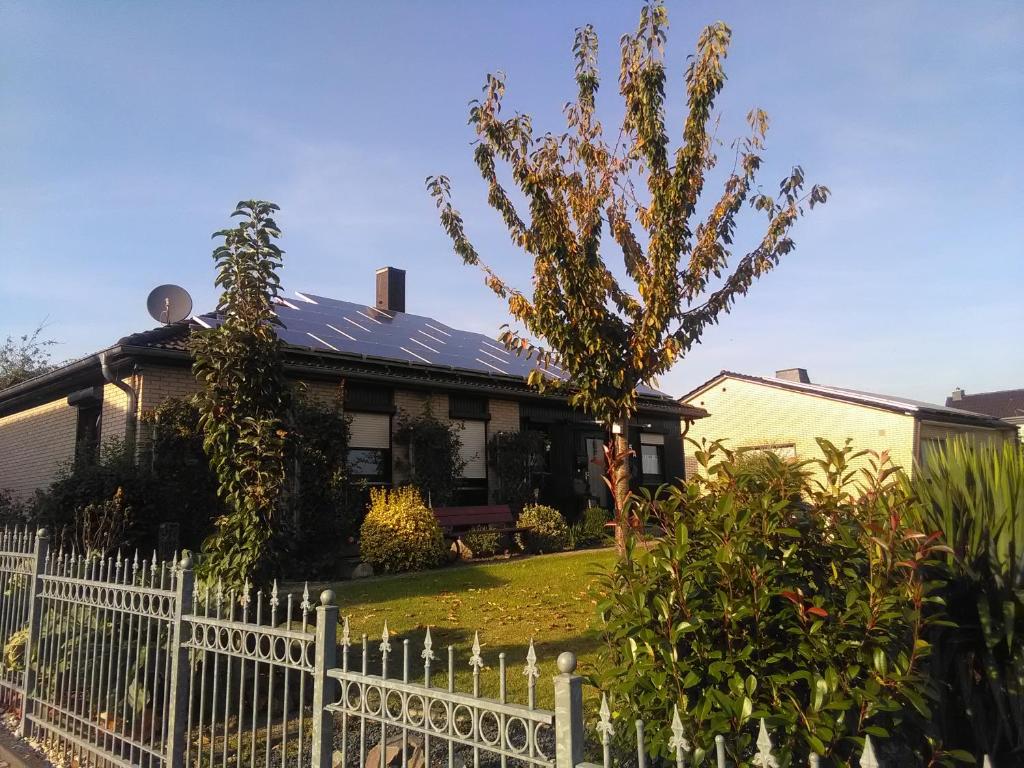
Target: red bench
(455,520)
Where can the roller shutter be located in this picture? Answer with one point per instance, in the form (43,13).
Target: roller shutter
(369,430)
(474,449)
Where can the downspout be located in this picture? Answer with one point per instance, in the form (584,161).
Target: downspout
(131,417)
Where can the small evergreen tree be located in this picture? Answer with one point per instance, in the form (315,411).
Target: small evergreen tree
(244,398)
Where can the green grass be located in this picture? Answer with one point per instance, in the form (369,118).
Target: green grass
(547,598)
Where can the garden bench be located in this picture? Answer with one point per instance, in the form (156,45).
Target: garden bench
(456,520)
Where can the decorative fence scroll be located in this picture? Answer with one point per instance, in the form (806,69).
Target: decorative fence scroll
(122,662)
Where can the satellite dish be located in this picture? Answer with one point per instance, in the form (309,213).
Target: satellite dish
(169,304)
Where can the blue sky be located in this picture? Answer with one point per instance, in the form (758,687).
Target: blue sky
(129,130)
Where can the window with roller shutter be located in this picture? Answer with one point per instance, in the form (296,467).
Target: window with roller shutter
(369,446)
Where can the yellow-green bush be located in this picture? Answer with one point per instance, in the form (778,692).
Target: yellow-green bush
(547,531)
(483,541)
(400,533)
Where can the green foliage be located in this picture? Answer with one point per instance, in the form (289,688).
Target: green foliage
(435,462)
(588,192)
(100,527)
(13,511)
(187,486)
(483,541)
(517,459)
(80,485)
(547,531)
(25,357)
(400,533)
(244,398)
(752,603)
(974,493)
(591,530)
(327,506)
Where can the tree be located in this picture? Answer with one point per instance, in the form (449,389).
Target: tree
(244,398)
(25,357)
(586,196)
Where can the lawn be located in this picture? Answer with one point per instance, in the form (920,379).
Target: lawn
(547,598)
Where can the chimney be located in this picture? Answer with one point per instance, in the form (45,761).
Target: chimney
(391,289)
(958,395)
(794,374)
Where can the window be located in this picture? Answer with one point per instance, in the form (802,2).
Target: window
(369,446)
(467,407)
(87,431)
(652,457)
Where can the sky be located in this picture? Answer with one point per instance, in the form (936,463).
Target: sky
(129,130)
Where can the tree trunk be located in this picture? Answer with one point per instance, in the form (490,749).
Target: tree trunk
(618,477)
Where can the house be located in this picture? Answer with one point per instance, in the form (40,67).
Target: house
(390,362)
(1006,404)
(785,413)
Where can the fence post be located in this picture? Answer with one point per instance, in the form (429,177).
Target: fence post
(569,727)
(35,622)
(181,672)
(323,686)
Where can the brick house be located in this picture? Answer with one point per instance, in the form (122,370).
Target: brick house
(784,414)
(390,362)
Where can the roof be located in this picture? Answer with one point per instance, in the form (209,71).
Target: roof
(1005,404)
(323,336)
(929,411)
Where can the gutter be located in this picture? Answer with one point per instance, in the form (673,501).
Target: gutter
(132,416)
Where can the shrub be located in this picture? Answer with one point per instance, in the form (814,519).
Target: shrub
(591,530)
(400,533)
(752,603)
(12,511)
(483,541)
(974,494)
(547,530)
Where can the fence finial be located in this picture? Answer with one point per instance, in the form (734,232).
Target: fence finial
(678,740)
(530,670)
(427,654)
(868,759)
(346,635)
(385,646)
(987,762)
(764,757)
(476,661)
(566,662)
(604,724)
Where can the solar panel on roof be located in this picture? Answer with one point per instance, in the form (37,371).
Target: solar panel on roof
(332,325)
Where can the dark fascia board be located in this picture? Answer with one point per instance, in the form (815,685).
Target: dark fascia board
(76,375)
(311,365)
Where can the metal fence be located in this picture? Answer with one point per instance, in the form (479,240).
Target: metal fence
(122,662)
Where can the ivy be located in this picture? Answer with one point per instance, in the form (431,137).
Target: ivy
(435,462)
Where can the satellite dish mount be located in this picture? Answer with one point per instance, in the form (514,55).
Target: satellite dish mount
(169,304)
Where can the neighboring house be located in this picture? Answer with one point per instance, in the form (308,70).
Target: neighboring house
(1006,404)
(390,361)
(786,414)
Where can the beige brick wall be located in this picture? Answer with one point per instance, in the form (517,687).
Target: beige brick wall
(504,416)
(115,412)
(745,414)
(34,444)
